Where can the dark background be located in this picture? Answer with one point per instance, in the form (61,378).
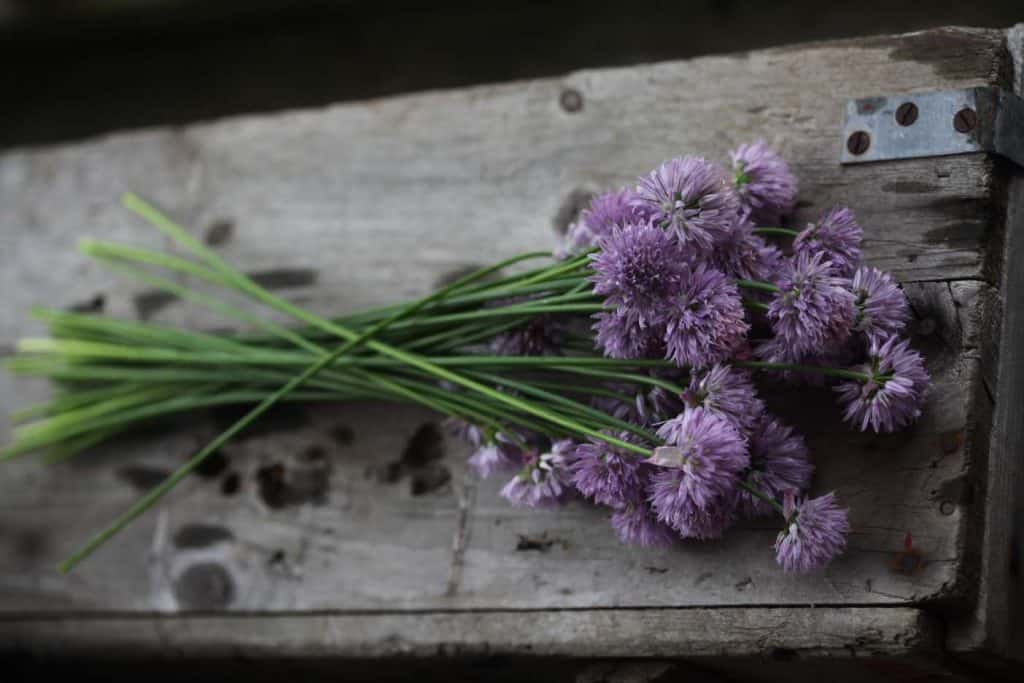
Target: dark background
(74,68)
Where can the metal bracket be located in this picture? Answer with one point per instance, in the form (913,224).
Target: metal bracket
(937,123)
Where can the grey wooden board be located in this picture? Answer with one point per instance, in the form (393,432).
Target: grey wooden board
(868,632)
(367,203)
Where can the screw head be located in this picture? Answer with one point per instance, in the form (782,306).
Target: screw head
(965,120)
(858,142)
(571,100)
(906,114)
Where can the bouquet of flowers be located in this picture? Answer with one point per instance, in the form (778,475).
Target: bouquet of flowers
(620,369)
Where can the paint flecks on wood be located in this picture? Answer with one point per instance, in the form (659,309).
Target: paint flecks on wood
(94,304)
(299,482)
(201,535)
(285,278)
(213,466)
(343,435)
(219,232)
(149,303)
(540,542)
(230,484)
(425,446)
(429,479)
(142,477)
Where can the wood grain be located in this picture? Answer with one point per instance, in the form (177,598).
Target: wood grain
(699,633)
(366,203)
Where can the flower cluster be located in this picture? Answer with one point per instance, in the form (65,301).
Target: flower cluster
(687,271)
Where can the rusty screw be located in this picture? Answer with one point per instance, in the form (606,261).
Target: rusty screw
(965,120)
(571,100)
(906,114)
(858,142)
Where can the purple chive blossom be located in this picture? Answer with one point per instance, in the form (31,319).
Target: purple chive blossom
(638,270)
(636,523)
(729,392)
(764,183)
(745,255)
(537,337)
(882,309)
(815,533)
(500,455)
(838,235)
(690,197)
(779,462)
(606,476)
(892,398)
(674,506)
(813,312)
(707,322)
(543,481)
(621,337)
(695,485)
(606,211)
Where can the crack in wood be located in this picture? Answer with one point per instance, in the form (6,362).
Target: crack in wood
(467,496)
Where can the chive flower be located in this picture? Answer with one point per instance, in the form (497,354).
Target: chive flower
(837,235)
(606,212)
(815,533)
(779,462)
(813,312)
(543,481)
(767,189)
(694,488)
(882,309)
(892,396)
(691,198)
(707,322)
(638,270)
(729,392)
(606,476)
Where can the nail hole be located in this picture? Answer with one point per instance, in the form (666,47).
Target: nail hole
(571,100)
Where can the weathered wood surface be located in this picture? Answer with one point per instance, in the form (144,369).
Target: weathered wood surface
(810,632)
(996,625)
(366,203)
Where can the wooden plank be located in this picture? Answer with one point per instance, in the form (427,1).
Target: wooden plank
(693,633)
(370,543)
(997,623)
(365,203)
